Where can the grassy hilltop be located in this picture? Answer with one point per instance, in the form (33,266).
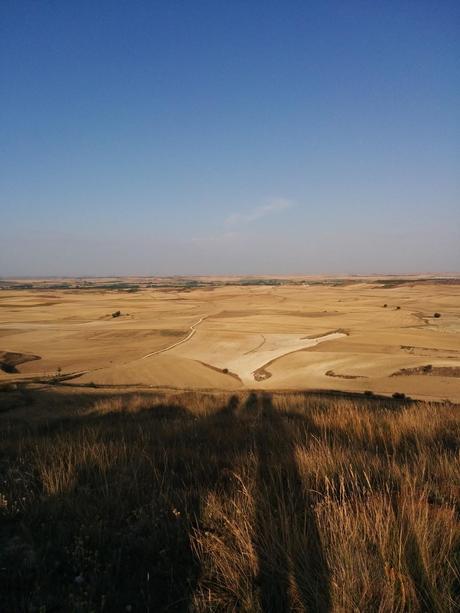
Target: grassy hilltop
(219,502)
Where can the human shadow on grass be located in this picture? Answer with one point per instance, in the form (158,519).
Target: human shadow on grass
(286,536)
(140,529)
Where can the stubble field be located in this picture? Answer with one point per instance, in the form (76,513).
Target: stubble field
(241,489)
(351,337)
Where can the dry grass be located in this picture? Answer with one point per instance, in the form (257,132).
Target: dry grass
(223,503)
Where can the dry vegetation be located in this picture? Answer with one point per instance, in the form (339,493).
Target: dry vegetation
(221,503)
(269,336)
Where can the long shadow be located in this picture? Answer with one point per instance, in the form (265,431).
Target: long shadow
(415,564)
(286,536)
(194,453)
(209,434)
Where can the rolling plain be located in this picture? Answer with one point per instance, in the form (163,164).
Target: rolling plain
(230,445)
(311,334)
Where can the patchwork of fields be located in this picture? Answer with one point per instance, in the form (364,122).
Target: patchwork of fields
(351,337)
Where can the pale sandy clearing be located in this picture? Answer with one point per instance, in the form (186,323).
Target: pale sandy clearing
(275,346)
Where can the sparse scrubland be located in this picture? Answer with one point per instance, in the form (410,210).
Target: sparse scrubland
(219,502)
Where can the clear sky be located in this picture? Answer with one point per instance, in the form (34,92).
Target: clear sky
(243,136)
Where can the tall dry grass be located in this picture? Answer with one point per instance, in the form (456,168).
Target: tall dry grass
(215,503)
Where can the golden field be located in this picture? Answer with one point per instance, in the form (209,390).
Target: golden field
(312,335)
(229,445)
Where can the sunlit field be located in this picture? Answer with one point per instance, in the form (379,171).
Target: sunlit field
(229,307)
(227,502)
(389,335)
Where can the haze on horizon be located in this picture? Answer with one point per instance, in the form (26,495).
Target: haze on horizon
(229,138)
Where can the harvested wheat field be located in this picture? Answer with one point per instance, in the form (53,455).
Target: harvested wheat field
(385,336)
(230,445)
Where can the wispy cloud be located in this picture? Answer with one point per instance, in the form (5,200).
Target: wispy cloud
(275,206)
(236,220)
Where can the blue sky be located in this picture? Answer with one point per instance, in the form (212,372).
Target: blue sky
(193,137)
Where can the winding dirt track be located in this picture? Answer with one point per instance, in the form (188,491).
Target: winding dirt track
(75,375)
(184,340)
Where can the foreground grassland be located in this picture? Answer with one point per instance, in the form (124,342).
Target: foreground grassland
(219,502)
(386,336)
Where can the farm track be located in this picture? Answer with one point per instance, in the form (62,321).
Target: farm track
(193,328)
